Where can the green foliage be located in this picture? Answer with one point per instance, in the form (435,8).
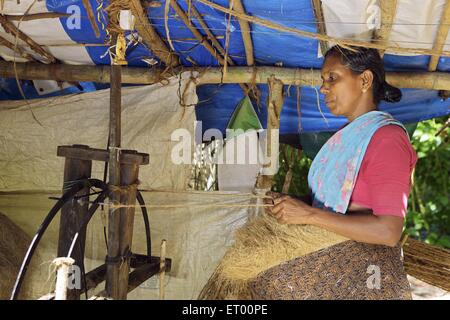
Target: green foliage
(428,217)
(300,165)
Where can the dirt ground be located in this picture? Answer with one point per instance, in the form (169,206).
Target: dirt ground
(424,291)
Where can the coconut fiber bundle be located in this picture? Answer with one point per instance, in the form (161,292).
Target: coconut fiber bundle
(274,261)
(13,246)
(427,263)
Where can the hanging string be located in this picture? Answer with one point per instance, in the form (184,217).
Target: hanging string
(317,97)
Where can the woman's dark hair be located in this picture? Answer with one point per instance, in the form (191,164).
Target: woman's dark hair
(362,59)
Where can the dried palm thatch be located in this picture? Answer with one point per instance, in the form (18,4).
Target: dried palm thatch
(14,243)
(261,244)
(427,263)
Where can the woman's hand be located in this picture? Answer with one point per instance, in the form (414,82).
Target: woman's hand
(289,210)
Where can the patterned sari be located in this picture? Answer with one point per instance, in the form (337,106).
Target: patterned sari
(348,270)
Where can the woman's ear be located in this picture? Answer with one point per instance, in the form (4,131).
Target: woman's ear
(367,80)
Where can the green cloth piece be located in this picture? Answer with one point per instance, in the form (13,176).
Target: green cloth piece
(244,117)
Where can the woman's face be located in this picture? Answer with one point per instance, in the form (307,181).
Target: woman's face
(342,88)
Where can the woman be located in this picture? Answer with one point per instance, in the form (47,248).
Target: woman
(344,245)
(360,179)
(353,85)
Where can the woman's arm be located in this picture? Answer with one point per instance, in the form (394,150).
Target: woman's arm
(385,230)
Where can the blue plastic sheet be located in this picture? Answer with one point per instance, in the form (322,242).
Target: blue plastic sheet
(271,47)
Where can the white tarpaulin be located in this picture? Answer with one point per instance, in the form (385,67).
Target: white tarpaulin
(150,114)
(415,22)
(198,227)
(197,235)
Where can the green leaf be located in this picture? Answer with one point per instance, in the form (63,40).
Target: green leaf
(444,241)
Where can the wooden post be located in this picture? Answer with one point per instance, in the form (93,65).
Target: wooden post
(112,274)
(274,106)
(129,177)
(73,213)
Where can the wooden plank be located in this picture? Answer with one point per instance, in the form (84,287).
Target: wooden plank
(441,36)
(86,153)
(289,76)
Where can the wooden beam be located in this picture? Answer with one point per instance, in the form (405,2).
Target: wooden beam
(441,36)
(37,16)
(90,13)
(245,32)
(150,36)
(321,27)
(388,12)
(82,152)
(289,76)
(11,28)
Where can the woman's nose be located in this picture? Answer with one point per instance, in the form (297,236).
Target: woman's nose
(323,89)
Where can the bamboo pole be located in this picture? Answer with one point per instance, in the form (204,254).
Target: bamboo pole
(90,13)
(388,11)
(209,34)
(441,36)
(200,38)
(246,35)
(321,28)
(150,36)
(37,16)
(131,75)
(195,32)
(11,28)
(313,35)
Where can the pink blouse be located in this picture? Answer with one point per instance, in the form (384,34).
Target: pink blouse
(384,179)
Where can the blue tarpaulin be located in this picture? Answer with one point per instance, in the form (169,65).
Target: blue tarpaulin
(271,47)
